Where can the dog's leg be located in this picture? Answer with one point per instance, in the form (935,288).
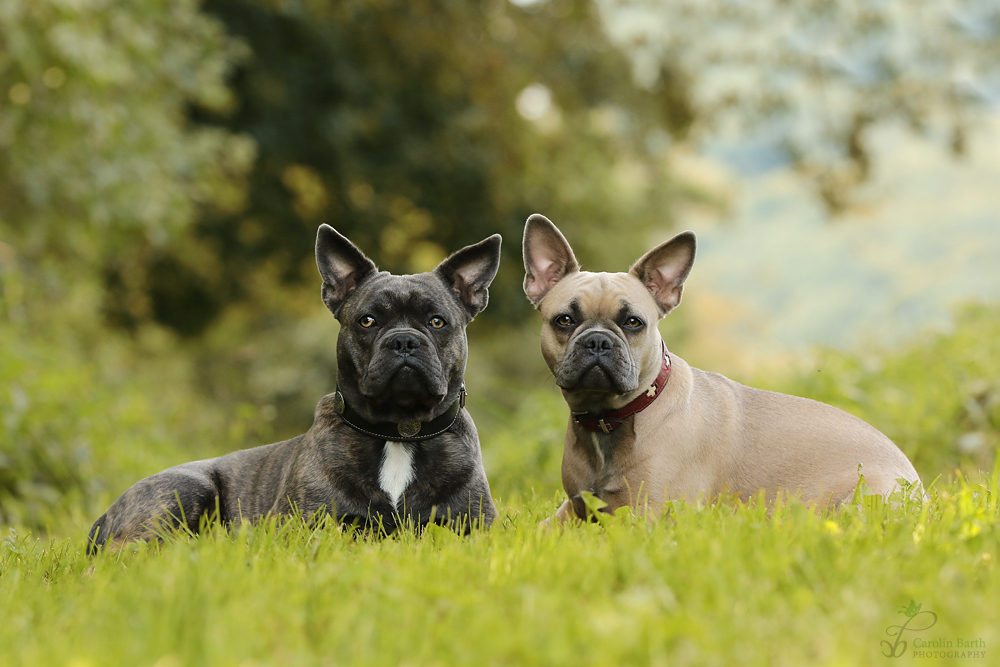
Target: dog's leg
(175,498)
(563,514)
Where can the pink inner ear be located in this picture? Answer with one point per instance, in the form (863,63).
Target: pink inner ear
(664,287)
(460,286)
(467,273)
(545,274)
(664,295)
(548,271)
(664,280)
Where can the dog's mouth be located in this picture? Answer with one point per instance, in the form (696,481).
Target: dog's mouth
(405,378)
(595,377)
(407,387)
(600,375)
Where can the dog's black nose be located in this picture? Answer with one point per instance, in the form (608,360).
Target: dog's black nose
(404,344)
(597,343)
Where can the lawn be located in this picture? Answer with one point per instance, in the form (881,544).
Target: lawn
(715,584)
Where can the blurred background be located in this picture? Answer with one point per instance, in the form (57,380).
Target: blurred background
(164,165)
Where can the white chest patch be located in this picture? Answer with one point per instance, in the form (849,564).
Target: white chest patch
(598,449)
(397,470)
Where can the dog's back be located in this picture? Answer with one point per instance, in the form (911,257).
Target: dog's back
(766,440)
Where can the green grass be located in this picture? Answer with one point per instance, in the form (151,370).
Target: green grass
(710,584)
(937,396)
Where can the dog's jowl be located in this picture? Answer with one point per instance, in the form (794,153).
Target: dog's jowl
(394,443)
(645,427)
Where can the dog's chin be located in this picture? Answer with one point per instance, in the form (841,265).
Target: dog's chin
(594,389)
(407,395)
(594,379)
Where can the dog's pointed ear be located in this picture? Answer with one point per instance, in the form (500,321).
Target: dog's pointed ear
(469,272)
(341,265)
(664,269)
(547,257)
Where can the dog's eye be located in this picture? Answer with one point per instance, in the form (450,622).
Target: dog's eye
(367,321)
(633,323)
(437,322)
(564,321)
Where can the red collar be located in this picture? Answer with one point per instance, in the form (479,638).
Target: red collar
(609,421)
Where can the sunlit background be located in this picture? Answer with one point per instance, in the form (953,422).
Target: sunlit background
(164,165)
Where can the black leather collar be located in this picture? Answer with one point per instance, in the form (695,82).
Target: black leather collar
(412,431)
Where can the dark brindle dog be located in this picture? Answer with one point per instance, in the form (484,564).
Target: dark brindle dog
(394,443)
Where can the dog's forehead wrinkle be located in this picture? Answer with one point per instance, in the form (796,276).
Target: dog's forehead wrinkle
(599,295)
(410,295)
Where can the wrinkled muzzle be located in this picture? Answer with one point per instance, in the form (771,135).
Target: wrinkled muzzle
(405,369)
(598,360)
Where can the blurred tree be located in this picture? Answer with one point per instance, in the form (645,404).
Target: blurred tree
(99,173)
(810,79)
(411,127)
(145,182)
(95,153)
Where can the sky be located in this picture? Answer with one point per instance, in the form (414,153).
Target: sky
(776,274)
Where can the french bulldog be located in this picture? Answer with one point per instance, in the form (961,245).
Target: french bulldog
(645,427)
(393,444)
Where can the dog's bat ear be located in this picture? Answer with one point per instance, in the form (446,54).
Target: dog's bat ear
(341,265)
(547,257)
(664,269)
(469,272)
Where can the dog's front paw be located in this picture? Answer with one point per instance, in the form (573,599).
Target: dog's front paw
(563,514)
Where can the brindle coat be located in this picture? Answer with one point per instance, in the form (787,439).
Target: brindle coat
(401,356)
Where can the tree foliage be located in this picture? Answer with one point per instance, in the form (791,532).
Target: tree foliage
(98,168)
(810,79)
(94,148)
(396,122)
